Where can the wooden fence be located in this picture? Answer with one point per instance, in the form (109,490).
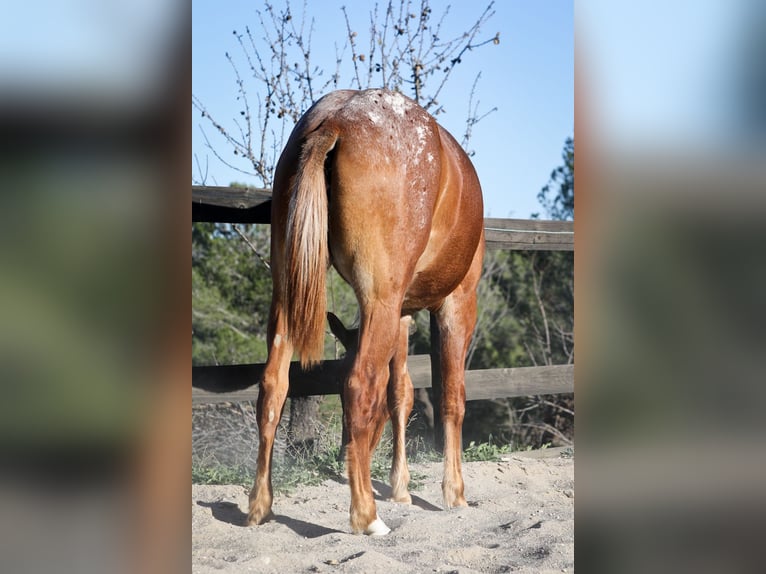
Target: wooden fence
(239,382)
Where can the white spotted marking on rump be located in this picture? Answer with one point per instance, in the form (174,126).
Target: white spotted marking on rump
(397,102)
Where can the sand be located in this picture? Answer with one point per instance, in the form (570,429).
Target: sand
(520,518)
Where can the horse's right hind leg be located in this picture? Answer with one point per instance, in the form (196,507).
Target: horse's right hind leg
(456,319)
(271,400)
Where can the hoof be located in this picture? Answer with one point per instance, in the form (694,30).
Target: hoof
(401,498)
(453,496)
(454,500)
(256,517)
(455,503)
(377,528)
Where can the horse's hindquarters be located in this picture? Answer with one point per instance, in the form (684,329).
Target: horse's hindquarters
(370,181)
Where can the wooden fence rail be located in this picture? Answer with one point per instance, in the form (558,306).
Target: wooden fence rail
(238,382)
(234,205)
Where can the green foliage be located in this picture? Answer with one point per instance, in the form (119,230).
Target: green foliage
(486,451)
(526,298)
(289,474)
(231,293)
(219,474)
(526,307)
(557,197)
(526,318)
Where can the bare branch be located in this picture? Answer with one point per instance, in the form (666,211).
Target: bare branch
(255,250)
(473,116)
(352,42)
(536,285)
(281,80)
(557,407)
(545,427)
(531,354)
(203,177)
(220,158)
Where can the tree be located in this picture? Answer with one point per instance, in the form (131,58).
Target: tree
(230,295)
(561,186)
(407,50)
(526,318)
(277,78)
(552,325)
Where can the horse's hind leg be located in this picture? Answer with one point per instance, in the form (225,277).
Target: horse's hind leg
(456,319)
(400,400)
(365,410)
(271,400)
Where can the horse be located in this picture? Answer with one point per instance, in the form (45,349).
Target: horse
(370,183)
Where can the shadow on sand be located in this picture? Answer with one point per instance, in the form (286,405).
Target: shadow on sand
(230,513)
(384,493)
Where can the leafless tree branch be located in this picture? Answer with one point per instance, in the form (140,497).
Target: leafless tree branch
(261,258)
(545,427)
(405,47)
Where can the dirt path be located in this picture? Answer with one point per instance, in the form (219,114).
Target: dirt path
(520,519)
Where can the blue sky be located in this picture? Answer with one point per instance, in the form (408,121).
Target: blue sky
(529,77)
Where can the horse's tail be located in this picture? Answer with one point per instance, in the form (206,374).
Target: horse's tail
(306,250)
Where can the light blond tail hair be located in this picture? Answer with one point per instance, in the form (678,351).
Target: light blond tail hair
(307,252)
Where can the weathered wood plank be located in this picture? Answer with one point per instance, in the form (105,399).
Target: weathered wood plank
(549,225)
(230,205)
(529,234)
(223,380)
(518,382)
(238,382)
(236,205)
(234,197)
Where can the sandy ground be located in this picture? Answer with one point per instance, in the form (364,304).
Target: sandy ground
(520,518)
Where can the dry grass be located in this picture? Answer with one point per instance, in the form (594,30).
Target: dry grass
(225,448)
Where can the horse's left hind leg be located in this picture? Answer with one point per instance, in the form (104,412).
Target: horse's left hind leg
(271,399)
(365,409)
